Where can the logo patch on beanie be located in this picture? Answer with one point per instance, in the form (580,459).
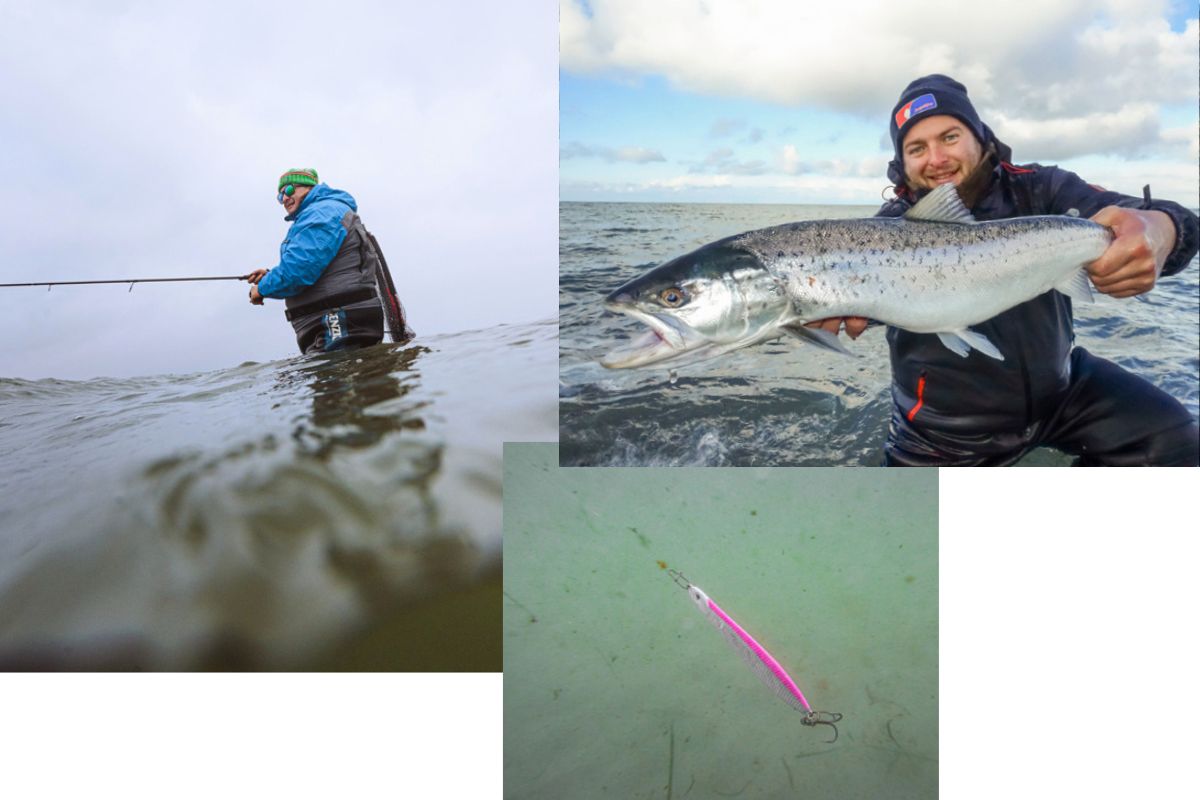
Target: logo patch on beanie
(918,105)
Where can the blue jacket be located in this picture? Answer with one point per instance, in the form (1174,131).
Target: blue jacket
(313,240)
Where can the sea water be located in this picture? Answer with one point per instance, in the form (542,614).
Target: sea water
(295,514)
(780,403)
(616,686)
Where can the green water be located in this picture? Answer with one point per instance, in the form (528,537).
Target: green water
(616,686)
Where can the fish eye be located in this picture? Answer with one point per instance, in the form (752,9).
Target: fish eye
(671,296)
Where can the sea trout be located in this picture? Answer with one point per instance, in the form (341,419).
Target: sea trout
(935,270)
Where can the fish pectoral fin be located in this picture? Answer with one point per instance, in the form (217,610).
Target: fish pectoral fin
(961,342)
(1076,286)
(955,343)
(817,336)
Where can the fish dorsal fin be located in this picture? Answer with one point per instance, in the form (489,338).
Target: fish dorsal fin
(941,205)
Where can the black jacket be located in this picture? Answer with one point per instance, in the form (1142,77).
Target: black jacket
(980,394)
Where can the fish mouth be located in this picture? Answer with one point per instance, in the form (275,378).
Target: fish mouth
(666,340)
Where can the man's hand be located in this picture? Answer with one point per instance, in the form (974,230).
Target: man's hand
(854,325)
(253,278)
(1142,240)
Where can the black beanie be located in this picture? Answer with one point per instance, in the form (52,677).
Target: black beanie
(929,96)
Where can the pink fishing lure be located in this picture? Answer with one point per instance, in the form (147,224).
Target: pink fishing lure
(764,665)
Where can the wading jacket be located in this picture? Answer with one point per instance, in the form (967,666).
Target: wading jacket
(978,394)
(322,263)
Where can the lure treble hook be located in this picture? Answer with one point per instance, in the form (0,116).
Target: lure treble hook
(830,718)
(679,578)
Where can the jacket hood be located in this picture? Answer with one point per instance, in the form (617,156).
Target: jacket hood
(323,193)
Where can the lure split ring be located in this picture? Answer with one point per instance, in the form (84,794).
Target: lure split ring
(830,718)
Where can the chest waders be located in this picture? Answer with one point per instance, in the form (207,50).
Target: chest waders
(393,309)
(356,283)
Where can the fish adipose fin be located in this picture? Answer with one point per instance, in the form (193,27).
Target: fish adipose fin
(821,338)
(941,205)
(962,341)
(1076,286)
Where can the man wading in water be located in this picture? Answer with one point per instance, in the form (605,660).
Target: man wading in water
(328,270)
(977,411)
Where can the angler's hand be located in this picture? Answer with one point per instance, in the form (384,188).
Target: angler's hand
(256,299)
(257,275)
(854,325)
(1142,240)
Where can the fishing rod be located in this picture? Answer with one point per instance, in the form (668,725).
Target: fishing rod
(130,281)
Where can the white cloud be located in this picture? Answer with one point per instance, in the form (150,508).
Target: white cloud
(1187,140)
(1167,181)
(790,163)
(1132,132)
(632,155)
(684,182)
(726,127)
(722,161)
(1035,62)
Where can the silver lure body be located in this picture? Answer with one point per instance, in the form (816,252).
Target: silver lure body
(936,270)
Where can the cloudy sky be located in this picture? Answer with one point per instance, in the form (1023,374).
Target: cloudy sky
(145,139)
(762,101)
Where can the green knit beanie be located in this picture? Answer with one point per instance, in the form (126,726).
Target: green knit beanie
(298,177)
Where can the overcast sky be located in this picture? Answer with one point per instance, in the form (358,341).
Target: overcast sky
(145,139)
(743,101)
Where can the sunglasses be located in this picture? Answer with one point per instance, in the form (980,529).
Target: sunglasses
(286,191)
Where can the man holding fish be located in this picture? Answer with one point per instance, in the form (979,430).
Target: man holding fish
(960,266)
(1045,392)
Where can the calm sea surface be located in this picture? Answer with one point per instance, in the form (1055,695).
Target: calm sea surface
(780,403)
(341,511)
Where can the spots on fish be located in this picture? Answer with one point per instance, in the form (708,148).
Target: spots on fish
(811,280)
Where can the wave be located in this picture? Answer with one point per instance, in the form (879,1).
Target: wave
(265,515)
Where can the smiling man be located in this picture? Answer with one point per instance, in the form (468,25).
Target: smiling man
(947,410)
(328,269)
(938,150)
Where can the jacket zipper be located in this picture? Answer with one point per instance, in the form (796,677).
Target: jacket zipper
(920,397)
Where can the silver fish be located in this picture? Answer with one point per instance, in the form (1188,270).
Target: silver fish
(935,270)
